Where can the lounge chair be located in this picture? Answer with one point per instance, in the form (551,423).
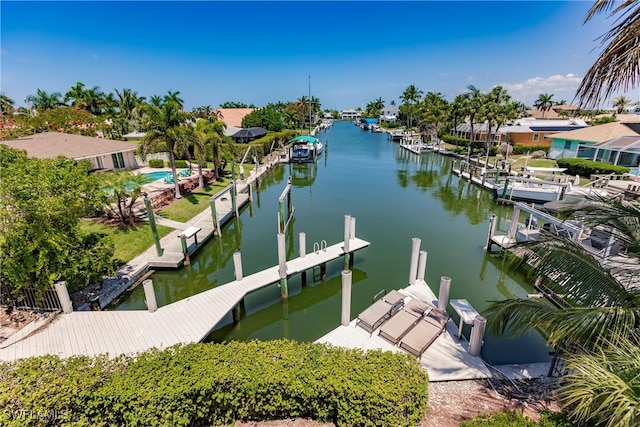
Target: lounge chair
(401,323)
(185,173)
(425,332)
(169,178)
(380,311)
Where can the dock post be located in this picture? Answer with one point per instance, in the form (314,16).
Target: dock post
(323,271)
(152,224)
(282,266)
(505,188)
(235,313)
(346,297)
(150,296)
(443,293)
(63,296)
(347,239)
(250,192)
(413,268)
(185,250)
(289,199)
(477,334)
(422,264)
(214,217)
(303,253)
(492,229)
(234,198)
(237,265)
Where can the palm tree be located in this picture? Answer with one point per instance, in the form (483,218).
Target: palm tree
(544,102)
(210,133)
(432,113)
(44,101)
(618,66)
(456,112)
(620,103)
(598,313)
(410,97)
(172,96)
(162,124)
(473,104)
(128,101)
(75,94)
(6,104)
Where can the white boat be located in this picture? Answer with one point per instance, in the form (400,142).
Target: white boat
(540,191)
(305,148)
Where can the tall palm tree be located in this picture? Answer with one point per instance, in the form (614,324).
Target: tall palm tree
(597,313)
(456,112)
(162,124)
(45,101)
(172,96)
(210,134)
(128,101)
(410,97)
(544,102)
(618,66)
(473,106)
(432,113)
(620,103)
(75,94)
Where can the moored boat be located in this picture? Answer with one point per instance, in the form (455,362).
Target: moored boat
(305,148)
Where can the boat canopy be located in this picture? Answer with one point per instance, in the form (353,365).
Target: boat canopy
(304,139)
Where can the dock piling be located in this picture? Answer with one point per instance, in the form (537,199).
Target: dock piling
(237,265)
(477,334)
(422,264)
(347,232)
(185,250)
(413,269)
(63,296)
(492,230)
(346,297)
(150,296)
(282,266)
(443,293)
(214,216)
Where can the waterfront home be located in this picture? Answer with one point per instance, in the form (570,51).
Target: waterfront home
(615,143)
(104,154)
(533,132)
(349,114)
(389,114)
(232,116)
(555,112)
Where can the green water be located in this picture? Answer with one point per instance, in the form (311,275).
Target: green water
(394,196)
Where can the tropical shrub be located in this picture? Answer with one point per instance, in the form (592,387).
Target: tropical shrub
(181,164)
(522,149)
(586,168)
(516,419)
(156,163)
(213,384)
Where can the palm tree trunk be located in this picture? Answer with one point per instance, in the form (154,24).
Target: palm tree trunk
(176,185)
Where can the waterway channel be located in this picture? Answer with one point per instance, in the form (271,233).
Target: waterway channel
(394,196)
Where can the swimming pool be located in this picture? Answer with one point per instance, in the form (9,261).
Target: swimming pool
(155,175)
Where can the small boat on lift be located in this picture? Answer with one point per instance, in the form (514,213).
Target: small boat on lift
(304,148)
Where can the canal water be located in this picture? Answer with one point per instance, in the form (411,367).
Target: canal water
(394,196)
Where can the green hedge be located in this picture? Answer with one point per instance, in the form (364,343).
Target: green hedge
(156,163)
(213,384)
(181,164)
(524,149)
(586,168)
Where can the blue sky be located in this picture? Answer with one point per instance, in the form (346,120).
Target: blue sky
(261,52)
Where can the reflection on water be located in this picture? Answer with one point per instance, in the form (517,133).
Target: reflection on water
(394,195)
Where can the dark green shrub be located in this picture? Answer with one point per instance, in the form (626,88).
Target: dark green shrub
(181,164)
(524,149)
(586,168)
(213,384)
(156,163)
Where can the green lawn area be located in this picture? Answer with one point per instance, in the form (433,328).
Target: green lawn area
(130,242)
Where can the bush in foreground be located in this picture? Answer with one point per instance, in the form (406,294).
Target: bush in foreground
(212,384)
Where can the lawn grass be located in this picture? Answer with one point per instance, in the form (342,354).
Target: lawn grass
(129,242)
(189,206)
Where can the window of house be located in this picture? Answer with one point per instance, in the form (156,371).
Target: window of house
(567,145)
(99,163)
(118,161)
(536,136)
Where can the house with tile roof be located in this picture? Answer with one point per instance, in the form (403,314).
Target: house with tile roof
(233,116)
(617,143)
(530,131)
(104,154)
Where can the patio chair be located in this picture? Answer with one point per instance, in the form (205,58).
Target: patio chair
(378,313)
(401,323)
(169,178)
(425,332)
(185,173)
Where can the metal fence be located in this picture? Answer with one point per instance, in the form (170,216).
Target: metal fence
(31,299)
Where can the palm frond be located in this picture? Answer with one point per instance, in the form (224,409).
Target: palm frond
(603,385)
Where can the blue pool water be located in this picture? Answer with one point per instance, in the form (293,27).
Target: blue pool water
(155,175)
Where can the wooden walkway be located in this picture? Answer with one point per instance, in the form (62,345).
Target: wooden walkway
(128,332)
(447,359)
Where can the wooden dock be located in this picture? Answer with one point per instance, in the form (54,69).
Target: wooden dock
(128,332)
(447,359)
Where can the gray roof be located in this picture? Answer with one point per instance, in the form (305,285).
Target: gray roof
(50,145)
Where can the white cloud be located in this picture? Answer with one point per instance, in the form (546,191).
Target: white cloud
(561,86)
